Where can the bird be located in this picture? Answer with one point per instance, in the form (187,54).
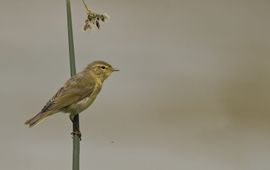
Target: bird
(77,94)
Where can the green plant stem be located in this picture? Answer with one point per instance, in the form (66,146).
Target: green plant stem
(76,139)
(86,7)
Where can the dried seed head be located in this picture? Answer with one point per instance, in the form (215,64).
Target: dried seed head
(94,19)
(97,24)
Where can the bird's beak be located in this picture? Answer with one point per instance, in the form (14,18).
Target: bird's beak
(115,70)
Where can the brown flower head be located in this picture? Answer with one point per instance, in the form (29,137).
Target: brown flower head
(94,19)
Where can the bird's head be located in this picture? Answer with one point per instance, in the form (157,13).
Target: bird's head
(100,69)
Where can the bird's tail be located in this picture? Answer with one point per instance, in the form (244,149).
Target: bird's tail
(36,119)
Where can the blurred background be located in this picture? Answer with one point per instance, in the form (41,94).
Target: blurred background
(192,92)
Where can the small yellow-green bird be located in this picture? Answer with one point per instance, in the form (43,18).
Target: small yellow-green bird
(77,94)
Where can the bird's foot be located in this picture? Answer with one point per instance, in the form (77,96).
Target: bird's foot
(77,133)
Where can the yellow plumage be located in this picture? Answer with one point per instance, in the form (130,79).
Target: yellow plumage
(77,94)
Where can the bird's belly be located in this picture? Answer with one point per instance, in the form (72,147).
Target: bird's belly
(81,105)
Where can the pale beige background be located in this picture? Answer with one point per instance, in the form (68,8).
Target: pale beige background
(192,94)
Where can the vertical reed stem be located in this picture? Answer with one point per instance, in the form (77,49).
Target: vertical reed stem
(76,139)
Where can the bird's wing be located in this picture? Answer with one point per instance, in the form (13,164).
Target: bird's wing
(74,90)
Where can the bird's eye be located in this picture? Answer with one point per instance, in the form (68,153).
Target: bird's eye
(103,67)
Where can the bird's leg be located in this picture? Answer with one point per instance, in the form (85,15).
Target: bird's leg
(76,129)
(77,133)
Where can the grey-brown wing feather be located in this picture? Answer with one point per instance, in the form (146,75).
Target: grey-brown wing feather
(74,90)
(51,101)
